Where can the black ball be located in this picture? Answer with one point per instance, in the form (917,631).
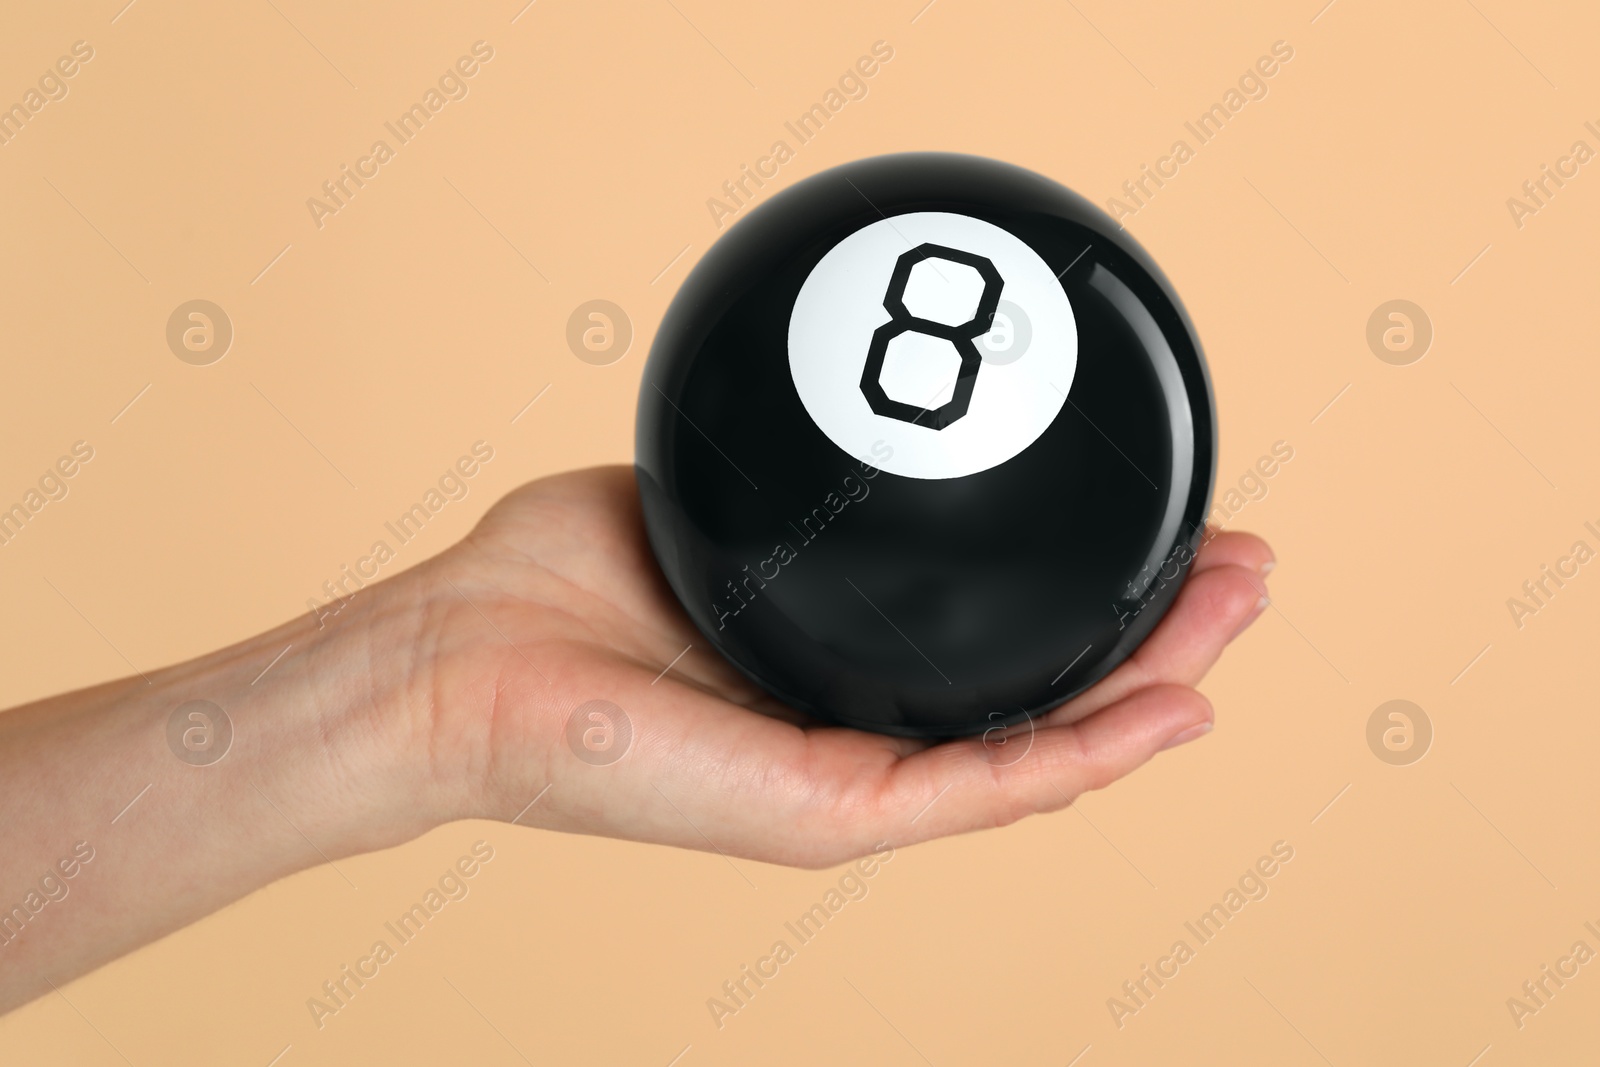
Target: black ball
(926,444)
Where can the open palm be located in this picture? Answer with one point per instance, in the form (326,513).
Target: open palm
(554,600)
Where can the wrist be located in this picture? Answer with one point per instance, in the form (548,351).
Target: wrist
(313,733)
(345,729)
(181,790)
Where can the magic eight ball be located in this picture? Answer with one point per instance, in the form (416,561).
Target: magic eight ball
(925,445)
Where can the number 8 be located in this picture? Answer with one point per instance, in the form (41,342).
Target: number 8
(960,336)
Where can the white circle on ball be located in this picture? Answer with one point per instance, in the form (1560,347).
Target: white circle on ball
(842,304)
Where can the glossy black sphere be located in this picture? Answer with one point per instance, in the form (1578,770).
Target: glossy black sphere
(862,493)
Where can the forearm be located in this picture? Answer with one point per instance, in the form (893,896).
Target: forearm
(112,838)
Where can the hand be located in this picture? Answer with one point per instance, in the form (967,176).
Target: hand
(444,692)
(554,600)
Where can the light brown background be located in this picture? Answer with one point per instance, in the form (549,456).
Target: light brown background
(415,322)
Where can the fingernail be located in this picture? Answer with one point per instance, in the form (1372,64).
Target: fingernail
(1185,736)
(1255,613)
(1267,567)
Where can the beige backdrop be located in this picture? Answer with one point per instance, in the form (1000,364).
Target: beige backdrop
(373,344)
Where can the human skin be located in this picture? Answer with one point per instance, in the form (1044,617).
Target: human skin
(443,693)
